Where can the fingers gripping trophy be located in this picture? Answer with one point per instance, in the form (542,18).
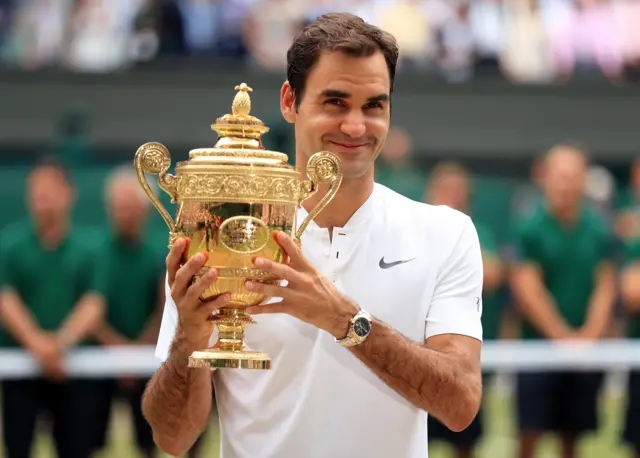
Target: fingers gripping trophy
(230,199)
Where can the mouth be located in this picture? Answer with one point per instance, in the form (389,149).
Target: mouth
(349,146)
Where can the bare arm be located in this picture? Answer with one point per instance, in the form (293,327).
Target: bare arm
(535,302)
(17,319)
(492,267)
(601,303)
(84,320)
(177,401)
(443,377)
(108,336)
(630,287)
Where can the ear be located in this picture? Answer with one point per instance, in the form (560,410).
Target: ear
(287,103)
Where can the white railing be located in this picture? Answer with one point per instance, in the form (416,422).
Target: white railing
(610,355)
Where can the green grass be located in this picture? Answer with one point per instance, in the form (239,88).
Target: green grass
(499,442)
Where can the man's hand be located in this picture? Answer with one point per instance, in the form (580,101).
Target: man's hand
(308,295)
(49,353)
(193,312)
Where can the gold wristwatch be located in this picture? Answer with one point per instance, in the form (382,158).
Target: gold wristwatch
(359,329)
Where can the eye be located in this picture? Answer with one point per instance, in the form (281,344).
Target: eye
(335,102)
(373,105)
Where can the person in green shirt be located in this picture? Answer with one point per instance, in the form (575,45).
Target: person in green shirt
(563,282)
(49,305)
(130,272)
(449,184)
(630,292)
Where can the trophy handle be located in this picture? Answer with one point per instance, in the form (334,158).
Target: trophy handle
(154,158)
(323,167)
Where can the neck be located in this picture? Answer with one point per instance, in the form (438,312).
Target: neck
(53,232)
(349,198)
(566,215)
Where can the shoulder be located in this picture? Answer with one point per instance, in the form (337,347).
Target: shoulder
(437,229)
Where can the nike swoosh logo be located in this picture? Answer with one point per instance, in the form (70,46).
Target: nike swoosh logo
(388,265)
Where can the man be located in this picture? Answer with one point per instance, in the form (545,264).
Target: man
(449,185)
(131,280)
(48,306)
(415,268)
(630,291)
(564,283)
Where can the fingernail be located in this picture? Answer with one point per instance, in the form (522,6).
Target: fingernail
(199,257)
(179,243)
(226,297)
(251,310)
(259,262)
(250,285)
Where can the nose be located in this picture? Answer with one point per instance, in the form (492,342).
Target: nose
(353,124)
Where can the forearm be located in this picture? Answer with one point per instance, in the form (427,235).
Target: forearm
(16,319)
(539,308)
(152,329)
(445,384)
(601,306)
(177,401)
(106,335)
(84,319)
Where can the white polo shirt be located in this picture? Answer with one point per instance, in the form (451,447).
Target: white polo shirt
(319,400)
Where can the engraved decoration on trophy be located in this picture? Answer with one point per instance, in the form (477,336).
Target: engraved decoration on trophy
(229,199)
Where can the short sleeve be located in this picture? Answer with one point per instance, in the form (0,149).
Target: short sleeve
(456,304)
(168,325)
(524,245)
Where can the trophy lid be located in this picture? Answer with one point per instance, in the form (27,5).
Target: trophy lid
(240,137)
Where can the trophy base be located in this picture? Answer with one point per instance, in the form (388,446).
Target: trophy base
(214,358)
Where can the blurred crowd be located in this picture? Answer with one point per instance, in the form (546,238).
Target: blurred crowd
(524,41)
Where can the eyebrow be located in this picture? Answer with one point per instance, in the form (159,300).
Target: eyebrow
(345,95)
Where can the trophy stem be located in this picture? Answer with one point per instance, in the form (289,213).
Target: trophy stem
(230,351)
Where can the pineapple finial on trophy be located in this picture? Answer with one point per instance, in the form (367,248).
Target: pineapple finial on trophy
(242,102)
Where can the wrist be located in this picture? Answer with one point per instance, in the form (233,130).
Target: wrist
(342,320)
(64,339)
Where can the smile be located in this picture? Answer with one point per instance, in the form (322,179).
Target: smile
(349,146)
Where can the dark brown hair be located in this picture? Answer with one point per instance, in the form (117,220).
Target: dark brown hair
(337,32)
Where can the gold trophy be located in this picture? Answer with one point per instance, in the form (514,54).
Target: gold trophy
(229,200)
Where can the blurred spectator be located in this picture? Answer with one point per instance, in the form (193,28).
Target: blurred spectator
(487,25)
(599,189)
(36,36)
(270,28)
(409,23)
(627,223)
(529,194)
(525,56)
(201,19)
(587,40)
(395,169)
(564,284)
(456,56)
(131,280)
(627,15)
(49,304)
(158,31)
(449,184)
(101,35)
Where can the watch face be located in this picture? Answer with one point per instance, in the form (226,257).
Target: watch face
(361,327)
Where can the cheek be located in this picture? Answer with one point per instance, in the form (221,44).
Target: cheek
(378,127)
